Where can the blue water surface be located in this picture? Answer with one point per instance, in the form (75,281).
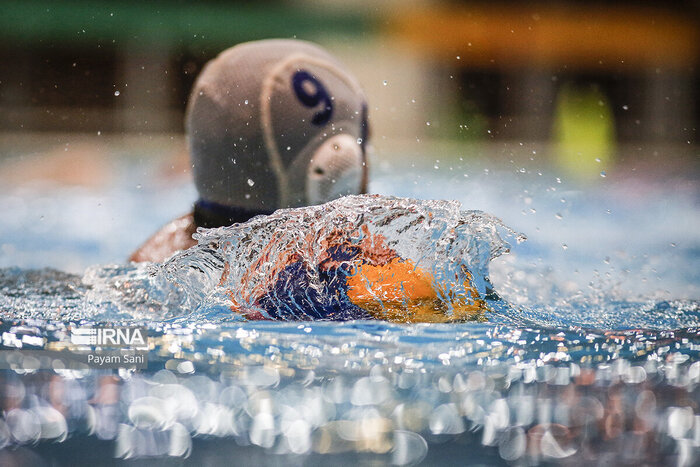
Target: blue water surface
(589,354)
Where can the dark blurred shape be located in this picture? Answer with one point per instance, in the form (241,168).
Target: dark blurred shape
(114,66)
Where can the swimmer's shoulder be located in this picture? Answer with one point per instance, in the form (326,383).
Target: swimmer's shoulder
(174,236)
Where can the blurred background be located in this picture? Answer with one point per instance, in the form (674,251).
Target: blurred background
(579,89)
(600,74)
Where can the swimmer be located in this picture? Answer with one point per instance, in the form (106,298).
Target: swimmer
(280,123)
(270,124)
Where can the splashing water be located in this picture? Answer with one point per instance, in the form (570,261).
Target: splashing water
(358,257)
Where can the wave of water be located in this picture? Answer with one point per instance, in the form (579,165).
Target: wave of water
(403,259)
(241,272)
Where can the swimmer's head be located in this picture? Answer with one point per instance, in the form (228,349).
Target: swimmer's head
(274,124)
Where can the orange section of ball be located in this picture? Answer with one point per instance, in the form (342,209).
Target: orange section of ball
(394,281)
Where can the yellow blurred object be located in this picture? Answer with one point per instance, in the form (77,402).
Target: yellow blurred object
(584,132)
(399,291)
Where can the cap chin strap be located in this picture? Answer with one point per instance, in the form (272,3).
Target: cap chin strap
(210,214)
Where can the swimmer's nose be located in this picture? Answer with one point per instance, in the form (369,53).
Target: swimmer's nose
(335,170)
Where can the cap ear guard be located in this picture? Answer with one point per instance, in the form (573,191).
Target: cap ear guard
(335,170)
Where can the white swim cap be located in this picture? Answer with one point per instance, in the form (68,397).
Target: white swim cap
(276,123)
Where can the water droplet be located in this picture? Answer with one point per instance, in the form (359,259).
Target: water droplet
(607,260)
(247,196)
(625,107)
(385,82)
(245,102)
(138,187)
(558,216)
(673,245)
(597,159)
(409,448)
(99,133)
(522,170)
(427,123)
(359,140)
(116,93)
(564,246)
(458,57)
(603,173)
(558,180)
(250,182)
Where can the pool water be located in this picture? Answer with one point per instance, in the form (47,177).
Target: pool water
(588,355)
